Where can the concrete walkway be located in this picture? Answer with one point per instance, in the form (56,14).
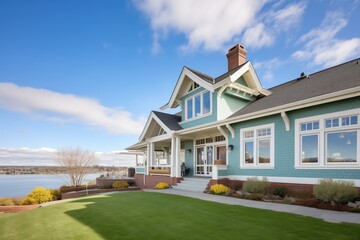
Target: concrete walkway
(326,215)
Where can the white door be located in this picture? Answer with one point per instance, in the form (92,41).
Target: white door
(204,160)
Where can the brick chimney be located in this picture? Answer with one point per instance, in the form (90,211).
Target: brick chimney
(236,56)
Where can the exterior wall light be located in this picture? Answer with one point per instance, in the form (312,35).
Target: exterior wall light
(189,151)
(230,147)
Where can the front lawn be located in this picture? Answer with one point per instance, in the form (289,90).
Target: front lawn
(146,215)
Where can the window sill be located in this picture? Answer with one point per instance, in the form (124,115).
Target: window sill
(257,167)
(328,167)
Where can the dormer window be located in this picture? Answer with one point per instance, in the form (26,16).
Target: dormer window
(198,105)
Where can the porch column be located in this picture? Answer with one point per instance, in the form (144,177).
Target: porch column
(177,157)
(150,155)
(173,157)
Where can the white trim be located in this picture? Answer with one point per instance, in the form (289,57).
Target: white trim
(255,139)
(232,131)
(294,180)
(286,121)
(201,114)
(221,130)
(186,72)
(159,138)
(162,125)
(321,132)
(327,98)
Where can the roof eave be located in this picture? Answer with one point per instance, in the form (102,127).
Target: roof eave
(326,98)
(186,72)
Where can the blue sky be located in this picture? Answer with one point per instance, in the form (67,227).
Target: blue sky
(87,73)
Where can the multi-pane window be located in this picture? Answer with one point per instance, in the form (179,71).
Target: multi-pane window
(257,146)
(198,105)
(329,141)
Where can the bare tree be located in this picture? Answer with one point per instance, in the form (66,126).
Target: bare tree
(77,163)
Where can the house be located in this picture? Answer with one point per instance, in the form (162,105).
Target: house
(231,127)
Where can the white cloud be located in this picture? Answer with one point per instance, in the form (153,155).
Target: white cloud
(267,68)
(54,106)
(287,17)
(323,48)
(45,157)
(258,36)
(207,24)
(212,25)
(27,157)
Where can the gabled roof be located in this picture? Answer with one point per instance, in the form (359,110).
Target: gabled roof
(203,76)
(210,83)
(168,122)
(334,79)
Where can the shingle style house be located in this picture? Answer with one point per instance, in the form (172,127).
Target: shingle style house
(231,127)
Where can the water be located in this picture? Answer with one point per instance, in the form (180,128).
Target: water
(20,185)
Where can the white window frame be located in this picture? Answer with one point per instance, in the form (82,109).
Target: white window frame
(255,139)
(202,114)
(322,138)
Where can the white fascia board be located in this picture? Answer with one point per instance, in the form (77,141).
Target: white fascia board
(331,97)
(248,67)
(146,126)
(159,138)
(153,117)
(186,72)
(167,130)
(241,71)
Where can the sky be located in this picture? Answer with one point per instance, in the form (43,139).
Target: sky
(87,73)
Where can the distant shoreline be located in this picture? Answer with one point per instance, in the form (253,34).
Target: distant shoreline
(20,170)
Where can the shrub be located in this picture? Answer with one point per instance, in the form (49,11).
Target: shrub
(120,185)
(329,190)
(219,189)
(38,195)
(162,185)
(55,194)
(7,202)
(280,191)
(255,185)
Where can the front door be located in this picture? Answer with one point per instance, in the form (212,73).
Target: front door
(204,160)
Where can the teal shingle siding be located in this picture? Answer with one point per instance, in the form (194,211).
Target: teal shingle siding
(285,143)
(189,157)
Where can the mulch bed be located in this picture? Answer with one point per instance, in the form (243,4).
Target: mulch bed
(17,209)
(306,202)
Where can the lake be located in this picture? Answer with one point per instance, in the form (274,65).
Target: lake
(21,185)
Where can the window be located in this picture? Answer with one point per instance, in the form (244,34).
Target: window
(198,105)
(206,101)
(341,147)
(257,147)
(328,141)
(309,148)
(221,153)
(189,108)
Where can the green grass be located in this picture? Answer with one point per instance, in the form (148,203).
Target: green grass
(145,215)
